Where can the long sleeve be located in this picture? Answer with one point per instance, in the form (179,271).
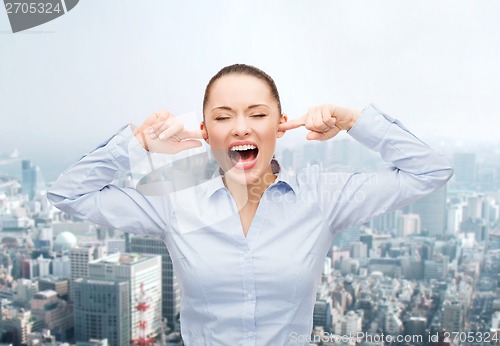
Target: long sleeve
(415,170)
(86,190)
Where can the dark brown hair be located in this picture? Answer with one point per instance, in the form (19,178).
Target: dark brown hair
(244,70)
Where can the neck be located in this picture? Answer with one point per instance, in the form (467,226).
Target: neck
(250,193)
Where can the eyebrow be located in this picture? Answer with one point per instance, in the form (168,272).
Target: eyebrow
(249,107)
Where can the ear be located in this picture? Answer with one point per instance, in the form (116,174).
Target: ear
(283,119)
(204,132)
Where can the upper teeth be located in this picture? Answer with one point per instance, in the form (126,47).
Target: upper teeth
(243,147)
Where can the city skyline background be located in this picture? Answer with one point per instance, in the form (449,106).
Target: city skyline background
(68,85)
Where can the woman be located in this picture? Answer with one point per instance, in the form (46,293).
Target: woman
(248,245)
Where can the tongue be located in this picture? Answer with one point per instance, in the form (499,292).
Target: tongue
(244,155)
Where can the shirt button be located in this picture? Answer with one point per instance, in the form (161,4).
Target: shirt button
(249,296)
(249,333)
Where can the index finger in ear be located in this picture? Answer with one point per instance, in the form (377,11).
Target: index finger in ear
(198,134)
(292,124)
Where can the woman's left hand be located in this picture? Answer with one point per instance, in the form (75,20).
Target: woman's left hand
(324,122)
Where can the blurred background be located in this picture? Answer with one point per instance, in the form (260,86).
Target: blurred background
(72,82)
(68,85)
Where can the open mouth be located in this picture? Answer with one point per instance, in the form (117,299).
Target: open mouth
(243,155)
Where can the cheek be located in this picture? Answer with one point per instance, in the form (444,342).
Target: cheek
(216,134)
(268,132)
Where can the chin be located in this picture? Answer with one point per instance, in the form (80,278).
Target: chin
(243,177)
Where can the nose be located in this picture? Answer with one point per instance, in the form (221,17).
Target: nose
(241,127)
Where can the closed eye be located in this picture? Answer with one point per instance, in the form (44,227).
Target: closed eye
(259,115)
(221,118)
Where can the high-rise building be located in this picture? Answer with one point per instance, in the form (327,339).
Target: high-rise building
(432,211)
(415,326)
(43,266)
(392,322)
(32,180)
(412,267)
(59,285)
(495,323)
(408,224)
(16,325)
(350,324)
(453,315)
(455,217)
(170,286)
(29,179)
(114,245)
(387,222)
(322,316)
(141,272)
(465,168)
(102,310)
(79,259)
(359,250)
(436,269)
(61,267)
(25,290)
(53,311)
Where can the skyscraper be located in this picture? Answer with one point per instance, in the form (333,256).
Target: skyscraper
(170,287)
(79,258)
(453,315)
(139,271)
(322,316)
(29,179)
(432,211)
(102,310)
(465,168)
(32,180)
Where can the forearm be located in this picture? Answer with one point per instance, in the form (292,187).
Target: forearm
(415,170)
(86,190)
(397,145)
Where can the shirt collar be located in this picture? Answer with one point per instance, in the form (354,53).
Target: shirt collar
(284,178)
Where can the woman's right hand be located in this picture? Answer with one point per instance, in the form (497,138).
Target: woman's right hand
(163,133)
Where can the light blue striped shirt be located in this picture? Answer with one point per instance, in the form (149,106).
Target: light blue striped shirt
(260,289)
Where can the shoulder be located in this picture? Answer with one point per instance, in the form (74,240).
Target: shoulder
(314,178)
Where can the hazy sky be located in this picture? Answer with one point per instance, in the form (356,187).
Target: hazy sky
(69,84)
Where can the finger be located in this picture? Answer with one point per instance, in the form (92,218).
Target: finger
(147,123)
(188,144)
(292,124)
(163,126)
(323,136)
(184,134)
(317,121)
(171,131)
(310,119)
(327,117)
(159,117)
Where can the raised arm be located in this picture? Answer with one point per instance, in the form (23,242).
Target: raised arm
(415,170)
(86,190)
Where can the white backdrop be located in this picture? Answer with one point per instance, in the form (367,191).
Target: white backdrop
(70,83)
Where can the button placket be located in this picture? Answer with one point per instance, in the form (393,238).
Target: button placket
(248,280)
